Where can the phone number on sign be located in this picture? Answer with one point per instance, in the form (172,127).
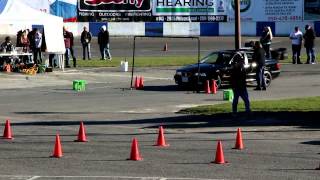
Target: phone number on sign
(284,18)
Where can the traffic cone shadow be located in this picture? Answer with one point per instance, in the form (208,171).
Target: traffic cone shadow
(135,155)
(219,155)
(207,87)
(57,151)
(7,133)
(161,142)
(214,87)
(239,143)
(82,134)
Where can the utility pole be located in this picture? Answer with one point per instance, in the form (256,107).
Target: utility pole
(237,24)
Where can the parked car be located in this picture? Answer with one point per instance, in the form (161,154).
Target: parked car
(217,65)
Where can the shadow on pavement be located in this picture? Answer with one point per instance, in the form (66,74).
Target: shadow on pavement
(301,119)
(312,142)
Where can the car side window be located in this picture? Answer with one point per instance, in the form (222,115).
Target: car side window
(211,58)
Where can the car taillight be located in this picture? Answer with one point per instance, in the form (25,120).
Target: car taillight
(278,66)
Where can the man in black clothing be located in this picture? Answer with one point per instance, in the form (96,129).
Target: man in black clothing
(259,57)
(309,37)
(239,84)
(103,41)
(85,41)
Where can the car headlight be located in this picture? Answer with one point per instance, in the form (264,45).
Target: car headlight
(179,73)
(201,74)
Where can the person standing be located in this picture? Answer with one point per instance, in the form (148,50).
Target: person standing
(239,85)
(259,57)
(103,41)
(74,59)
(266,39)
(296,41)
(71,50)
(67,44)
(25,43)
(37,47)
(86,37)
(309,37)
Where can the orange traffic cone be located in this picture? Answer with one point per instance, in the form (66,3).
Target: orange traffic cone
(207,87)
(239,144)
(214,87)
(7,133)
(134,155)
(82,134)
(141,82)
(137,83)
(161,142)
(165,48)
(57,151)
(219,154)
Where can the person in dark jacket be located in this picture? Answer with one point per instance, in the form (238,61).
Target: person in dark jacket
(72,50)
(71,41)
(239,84)
(67,44)
(259,57)
(266,39)
(309,37)
(103,41)
(86,37)
(38,40)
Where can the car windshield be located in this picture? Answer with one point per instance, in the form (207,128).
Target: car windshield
(217,58)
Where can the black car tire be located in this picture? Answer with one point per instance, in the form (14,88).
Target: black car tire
(268,78)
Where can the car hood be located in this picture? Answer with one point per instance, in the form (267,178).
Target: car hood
(194,67)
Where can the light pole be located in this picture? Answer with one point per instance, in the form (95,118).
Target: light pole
(237,24)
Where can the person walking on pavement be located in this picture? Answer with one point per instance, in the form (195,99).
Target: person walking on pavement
(266,39)
(239,84)
(103,41)
(309,38)
(296,41)
(259,57)
(86,37)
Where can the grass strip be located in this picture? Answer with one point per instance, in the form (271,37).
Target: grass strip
(141,61)
(307,104)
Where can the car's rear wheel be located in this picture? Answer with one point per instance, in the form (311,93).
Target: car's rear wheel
(268,78)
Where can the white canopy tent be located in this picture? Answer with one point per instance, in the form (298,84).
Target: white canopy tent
(16,12)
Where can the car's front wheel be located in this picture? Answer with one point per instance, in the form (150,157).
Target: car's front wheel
(268,78)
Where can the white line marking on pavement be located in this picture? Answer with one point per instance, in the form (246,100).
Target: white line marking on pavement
(34,177)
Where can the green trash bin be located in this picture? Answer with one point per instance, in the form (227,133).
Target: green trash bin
(82,85)
(228,95)
(75,85)
(79,85)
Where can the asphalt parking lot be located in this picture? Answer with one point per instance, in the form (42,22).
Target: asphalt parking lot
(41,106)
